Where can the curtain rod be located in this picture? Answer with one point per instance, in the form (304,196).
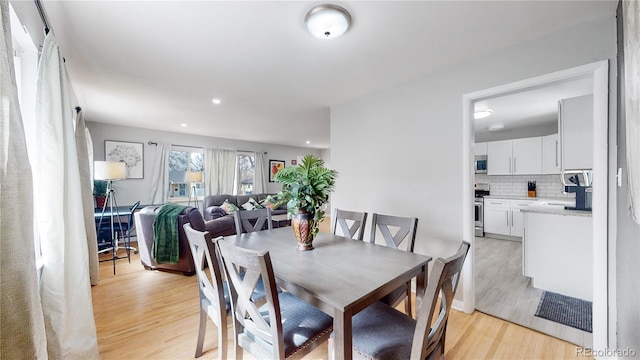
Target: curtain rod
(201,147)
(43,17)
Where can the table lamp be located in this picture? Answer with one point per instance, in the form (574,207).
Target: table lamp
(194,177)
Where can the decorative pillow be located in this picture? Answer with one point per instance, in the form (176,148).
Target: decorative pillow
(251,204)
(267,202)
(217,212)
(228,207)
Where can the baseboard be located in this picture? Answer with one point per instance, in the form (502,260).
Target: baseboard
(457,305)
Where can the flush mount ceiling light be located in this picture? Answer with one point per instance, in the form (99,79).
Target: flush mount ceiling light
(216,101)
(327,21)
(496,127)
(481,114)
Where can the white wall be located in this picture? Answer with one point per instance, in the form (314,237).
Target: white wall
(407,157)
(131,190)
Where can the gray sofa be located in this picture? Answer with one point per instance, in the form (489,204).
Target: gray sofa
(221,224)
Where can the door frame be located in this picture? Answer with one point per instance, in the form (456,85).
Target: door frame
(599,71)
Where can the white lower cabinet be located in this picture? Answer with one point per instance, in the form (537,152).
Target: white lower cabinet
(503,216)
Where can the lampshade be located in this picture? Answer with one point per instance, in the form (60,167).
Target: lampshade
(109,170)
(327,21)
(194,176)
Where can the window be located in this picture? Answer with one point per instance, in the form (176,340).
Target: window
(246,166)
(183,159)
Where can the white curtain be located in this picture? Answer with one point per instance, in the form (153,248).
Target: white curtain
(65,287)
(631,31)
(220,171)
(85,159)
(260,175)
(23,333)
(160,175)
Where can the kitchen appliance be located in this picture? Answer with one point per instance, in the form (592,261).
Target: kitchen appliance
(481,190)
(480,164)
(579,182)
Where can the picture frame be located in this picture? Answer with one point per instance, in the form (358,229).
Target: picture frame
(131,153)
(274,167)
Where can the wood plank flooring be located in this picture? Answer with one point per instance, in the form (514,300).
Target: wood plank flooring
(502,290)
(143,314)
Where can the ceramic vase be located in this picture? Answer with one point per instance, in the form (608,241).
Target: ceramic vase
(100,200)
(302,224)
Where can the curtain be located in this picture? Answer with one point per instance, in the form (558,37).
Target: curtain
(160,175)
(65,286)
(220,171)
(260,175)
(85,159)
(631,31)
(21,319)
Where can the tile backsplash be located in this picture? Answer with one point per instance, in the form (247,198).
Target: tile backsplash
(547,186)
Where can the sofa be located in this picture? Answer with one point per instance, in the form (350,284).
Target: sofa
(144,229)
(212,210)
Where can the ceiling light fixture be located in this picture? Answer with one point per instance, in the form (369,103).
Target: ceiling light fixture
(216,101)
(308,142)
(183,125)
(496,127)
(327,21)
(481,114)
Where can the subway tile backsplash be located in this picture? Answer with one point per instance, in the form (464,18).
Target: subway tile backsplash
(547,186)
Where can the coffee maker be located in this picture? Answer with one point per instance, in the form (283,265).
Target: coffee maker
(579,182)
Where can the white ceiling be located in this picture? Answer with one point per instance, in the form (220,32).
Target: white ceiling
(157,64)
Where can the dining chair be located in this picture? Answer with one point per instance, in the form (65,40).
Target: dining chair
(404,239)
(214,300)
(382,332)
(252,220)
(285,326)
(123,230)
(350,223)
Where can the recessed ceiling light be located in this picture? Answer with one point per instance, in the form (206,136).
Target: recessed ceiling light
(308,142)
(216,101)
(183,125)
(481,114)
(496,127)
(327,21)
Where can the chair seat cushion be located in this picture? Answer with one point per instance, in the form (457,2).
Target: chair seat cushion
(382,332)
(301,323)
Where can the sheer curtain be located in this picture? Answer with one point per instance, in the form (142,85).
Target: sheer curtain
(23,333)
(220,171)
(85,160)
(160,175)
(631,14)
(260,175)
(65,286)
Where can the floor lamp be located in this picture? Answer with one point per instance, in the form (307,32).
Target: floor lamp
(111,171)
(194,177)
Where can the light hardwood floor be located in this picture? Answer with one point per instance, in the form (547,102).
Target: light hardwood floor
(502,290)
(144,314)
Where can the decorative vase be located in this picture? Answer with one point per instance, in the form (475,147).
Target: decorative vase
(302,224)
(100,200)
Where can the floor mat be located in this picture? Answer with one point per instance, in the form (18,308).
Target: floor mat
(566,310)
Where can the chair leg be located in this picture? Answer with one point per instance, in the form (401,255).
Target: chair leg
(201,331)
(408,309)
(223,337)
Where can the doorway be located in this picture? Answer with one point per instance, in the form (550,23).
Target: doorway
(599,72)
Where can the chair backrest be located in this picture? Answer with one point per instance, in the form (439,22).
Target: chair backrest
(133,209)
(355,230)
(406,230)
(255,265)
(252,220)
(210,286)
(443,282)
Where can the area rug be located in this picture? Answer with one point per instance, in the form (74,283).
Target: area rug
(565,310)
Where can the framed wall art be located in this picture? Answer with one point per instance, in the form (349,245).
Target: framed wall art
(274,167)
(131,153)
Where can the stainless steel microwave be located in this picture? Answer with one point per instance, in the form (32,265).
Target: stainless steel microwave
(480,164)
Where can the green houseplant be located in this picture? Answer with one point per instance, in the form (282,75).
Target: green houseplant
(305,190)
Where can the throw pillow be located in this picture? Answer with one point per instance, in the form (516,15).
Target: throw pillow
(228,207)
(251,204)
(267,202)
(216,212)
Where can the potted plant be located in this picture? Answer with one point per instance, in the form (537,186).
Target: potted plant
(305,190)
(100,192)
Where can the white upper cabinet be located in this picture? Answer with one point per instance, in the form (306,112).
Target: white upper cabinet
(575,125)
(515,157)
(551,154)
(480,148)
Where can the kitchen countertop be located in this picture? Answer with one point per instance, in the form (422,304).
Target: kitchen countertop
(525,198)
(552,206)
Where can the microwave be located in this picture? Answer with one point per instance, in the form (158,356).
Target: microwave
(480,164)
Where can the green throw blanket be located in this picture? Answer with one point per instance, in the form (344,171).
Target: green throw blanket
(165,234)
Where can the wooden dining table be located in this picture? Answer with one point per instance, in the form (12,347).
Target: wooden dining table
(341,276)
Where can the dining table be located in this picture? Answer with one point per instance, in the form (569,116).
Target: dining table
(340,276)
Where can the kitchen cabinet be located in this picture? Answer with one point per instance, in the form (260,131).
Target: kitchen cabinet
(551,154)
(515,157)
(480,148)
(503,216)
(575,126)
